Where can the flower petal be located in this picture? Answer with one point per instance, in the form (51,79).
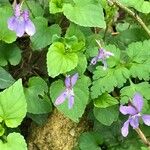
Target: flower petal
(71,101)
(138,101)
(20,27)
(12,23)
(134,121)
(101,53)
(29,27)
(61,98)
(108,54)
(127,110)
(94,60)
(74,79)
(17,10)
(146,119)
(125,128)
(68,81)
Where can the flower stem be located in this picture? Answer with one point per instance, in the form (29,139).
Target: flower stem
(131,13)
(143,137)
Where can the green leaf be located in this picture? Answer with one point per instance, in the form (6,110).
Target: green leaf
(34,8)
(90,140)
(9,53)
(114,76)
(5,34)
(40,119)
(15,141)
(59,60)
(128,92)
(74,31)
(55,6)
(140,5)
(106,115)
(13,105)
(5,79)
(85,14)
(139,59)
(2,130)
(82,64)
(106,80)
(105,100)
(81,98)
(38,41)
(36,96)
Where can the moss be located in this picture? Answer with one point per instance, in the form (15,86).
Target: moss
(59,133)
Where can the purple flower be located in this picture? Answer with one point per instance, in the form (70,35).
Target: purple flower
(68,93)
(102,56)
(133,110)
(20,22)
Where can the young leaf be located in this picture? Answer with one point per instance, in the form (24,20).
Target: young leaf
(5,79)
(43,35)
(90,140)
(105,100)
(59,60)
(37,100)
(55,6)
(15,141)
(84,13)
(13,105)
(106,115)
(81,98)
(5,34)
(9,53)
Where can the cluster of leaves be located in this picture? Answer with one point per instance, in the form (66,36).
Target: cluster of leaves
(65,36)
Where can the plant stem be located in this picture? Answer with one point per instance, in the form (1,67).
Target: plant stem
(131,13)
(143,137)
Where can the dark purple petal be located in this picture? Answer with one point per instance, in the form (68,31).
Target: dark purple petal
(134,121)
(146,119)
(68,81)
(138,102)
(29,27)
(94,60)
(12,24)
(71,101)
(61,98)
(125,128)
(74,79)
(127,110)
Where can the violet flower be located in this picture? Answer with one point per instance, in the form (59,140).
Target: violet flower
(68,93)
(20,22)
(134,111)
(102,56)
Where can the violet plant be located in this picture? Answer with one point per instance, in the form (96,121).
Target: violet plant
(70,81)
(20,22)
(134,111)
(101,56)
(61,40)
